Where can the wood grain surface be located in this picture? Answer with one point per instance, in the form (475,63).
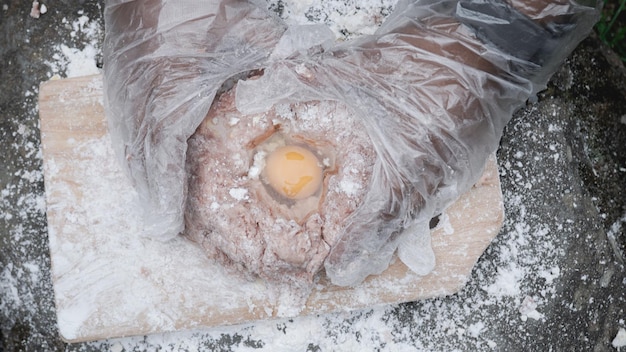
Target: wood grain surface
(111,282)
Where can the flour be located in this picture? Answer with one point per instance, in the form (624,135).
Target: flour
(347,19)
(611,235)
(475,329)
(81,62)
(349,187)
(238,193)
(156,282)
(528,309)
(70,61)
(258,164)
(507,282)
(620,339)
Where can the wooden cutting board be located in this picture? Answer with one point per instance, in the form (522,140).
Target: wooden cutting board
(111,282)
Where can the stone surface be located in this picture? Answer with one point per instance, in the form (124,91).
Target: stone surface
(553,279)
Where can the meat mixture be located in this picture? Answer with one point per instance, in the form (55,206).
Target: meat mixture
(242,208)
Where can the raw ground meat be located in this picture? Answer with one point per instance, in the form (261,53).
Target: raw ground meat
(240,222)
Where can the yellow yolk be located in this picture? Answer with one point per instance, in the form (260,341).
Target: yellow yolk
(293,172)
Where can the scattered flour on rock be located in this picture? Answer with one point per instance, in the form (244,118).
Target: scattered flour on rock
(72,61)
(620,338)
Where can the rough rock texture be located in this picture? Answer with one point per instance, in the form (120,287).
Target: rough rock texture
(553,279)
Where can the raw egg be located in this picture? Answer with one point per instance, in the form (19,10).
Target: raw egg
(293,171)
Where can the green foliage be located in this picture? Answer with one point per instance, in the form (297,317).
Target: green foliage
(612,26)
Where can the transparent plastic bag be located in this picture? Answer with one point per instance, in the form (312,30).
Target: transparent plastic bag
(164,63)
(434,86)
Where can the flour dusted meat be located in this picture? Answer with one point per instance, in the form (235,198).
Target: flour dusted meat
(238,220)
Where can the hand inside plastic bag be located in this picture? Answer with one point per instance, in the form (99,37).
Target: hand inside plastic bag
(433,89)
(165,61)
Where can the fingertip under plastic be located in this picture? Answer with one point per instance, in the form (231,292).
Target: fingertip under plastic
(415,249)
(350,269)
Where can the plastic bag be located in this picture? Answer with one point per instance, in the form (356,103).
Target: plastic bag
(434,86)
(164,63)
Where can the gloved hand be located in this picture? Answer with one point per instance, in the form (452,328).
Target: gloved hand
(164,63)
(434,86)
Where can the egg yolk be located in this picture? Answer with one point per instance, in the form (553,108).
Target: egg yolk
(293,172)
